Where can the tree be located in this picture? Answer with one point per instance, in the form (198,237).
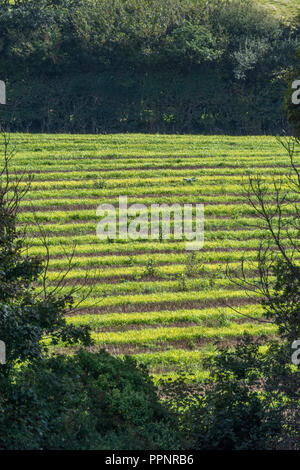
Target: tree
(149,66)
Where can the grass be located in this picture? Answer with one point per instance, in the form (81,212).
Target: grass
(213,316)
(284,8)
(151,298)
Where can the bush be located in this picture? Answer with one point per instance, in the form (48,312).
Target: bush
(250,402)
(88,401)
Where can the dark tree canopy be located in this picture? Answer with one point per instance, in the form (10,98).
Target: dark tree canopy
(144,66)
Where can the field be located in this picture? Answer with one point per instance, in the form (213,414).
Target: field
(152,299)
(285,8)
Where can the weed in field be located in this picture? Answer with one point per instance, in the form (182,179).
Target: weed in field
(130,261)
(100,183)
(151,268)
(191,264)
(182,282)
(222,319)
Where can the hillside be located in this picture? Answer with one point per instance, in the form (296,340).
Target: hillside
(151,66)
(151,298)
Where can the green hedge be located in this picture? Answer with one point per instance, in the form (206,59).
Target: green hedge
(147,66)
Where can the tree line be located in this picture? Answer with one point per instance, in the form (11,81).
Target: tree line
(191,66)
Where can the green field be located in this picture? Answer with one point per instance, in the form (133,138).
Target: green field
(285,8)
(149,298)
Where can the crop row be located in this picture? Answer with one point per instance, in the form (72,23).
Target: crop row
(160,271)
(141,178)
(128,287)
(124,144)
(133,166)
(228,210)
(165,197)
(212,316)
(163,297)
(93,262)
(134,247)
(92,172)
(149,335)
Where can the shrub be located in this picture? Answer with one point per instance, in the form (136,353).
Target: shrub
(85,401)
(250,402)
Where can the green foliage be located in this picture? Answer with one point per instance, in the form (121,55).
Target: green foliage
(151,267)
(88,401)
(192,44)
(152,66)
(284,304)
(250,401)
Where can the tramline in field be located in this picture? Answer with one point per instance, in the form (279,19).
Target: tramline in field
(150,298)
